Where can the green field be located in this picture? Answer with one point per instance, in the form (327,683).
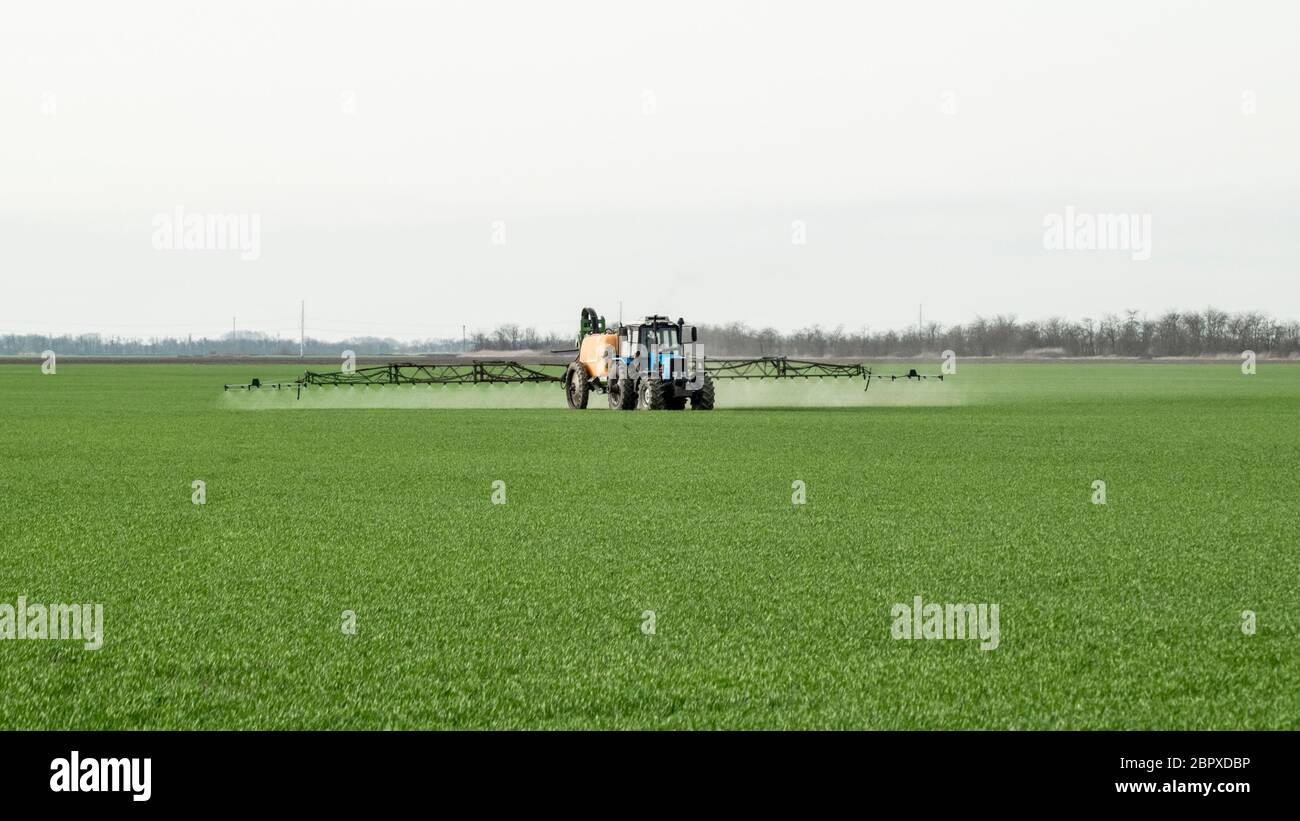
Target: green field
(768,614)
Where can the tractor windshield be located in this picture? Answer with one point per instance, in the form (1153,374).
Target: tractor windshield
(663,336)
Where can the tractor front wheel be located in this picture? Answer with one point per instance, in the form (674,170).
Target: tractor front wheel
(577,387)
(652,394)
(622,394)
(703,398)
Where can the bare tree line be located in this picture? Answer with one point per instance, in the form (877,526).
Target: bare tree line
(255,343)
(1174,333)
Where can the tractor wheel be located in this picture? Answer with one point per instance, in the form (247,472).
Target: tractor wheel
(577,387)
(622,394)
(652,394)
(703,398)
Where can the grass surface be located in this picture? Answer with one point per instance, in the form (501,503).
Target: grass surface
(529,614)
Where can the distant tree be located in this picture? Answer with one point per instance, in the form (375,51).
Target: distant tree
(1173,333)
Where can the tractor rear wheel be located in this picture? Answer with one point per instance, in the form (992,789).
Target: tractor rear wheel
(703,398)
(577,387)
(652,394)
(622,394)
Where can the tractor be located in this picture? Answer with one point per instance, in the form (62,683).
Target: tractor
(648,364)
(653,364)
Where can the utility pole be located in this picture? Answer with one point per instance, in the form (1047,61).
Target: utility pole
(464,340)
(234,331)
(620,312)
(920,326)
(302,327)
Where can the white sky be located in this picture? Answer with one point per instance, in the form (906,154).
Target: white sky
(535,114)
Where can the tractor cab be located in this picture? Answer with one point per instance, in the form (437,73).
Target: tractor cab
(661,337)
(656,348)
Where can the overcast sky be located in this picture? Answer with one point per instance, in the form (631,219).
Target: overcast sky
(416,167)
